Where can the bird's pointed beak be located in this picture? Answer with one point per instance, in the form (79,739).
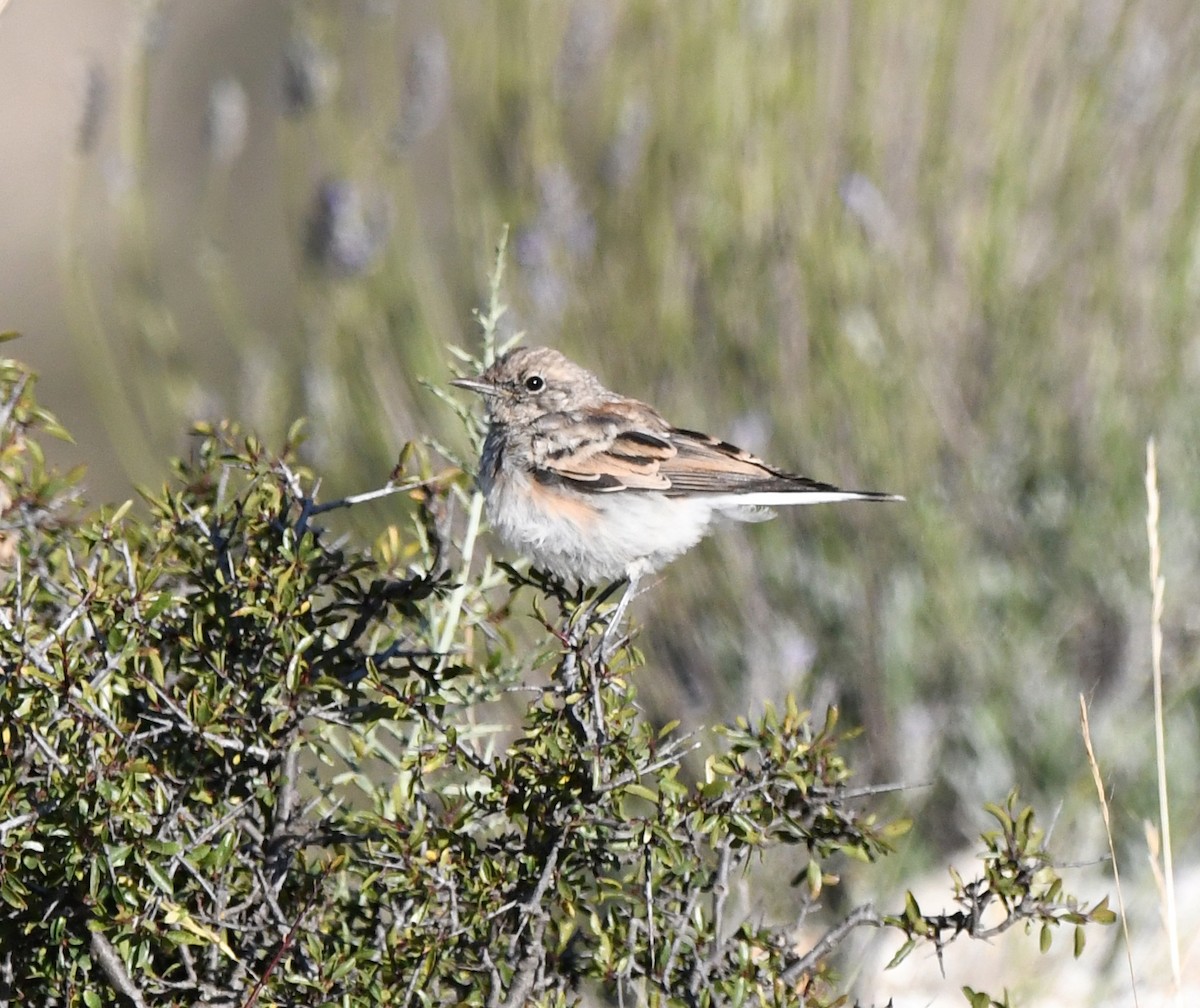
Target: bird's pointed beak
(476,385)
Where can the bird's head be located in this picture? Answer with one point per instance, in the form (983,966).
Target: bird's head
(529,382)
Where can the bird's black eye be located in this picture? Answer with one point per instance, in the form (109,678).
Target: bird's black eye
(535,383)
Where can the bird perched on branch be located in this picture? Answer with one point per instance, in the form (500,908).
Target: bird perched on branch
(594,486)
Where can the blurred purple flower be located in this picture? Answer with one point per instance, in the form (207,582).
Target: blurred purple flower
(226,120)
(561,233)
(589,35)
(627,150)
(96,98)
(562,212)
(426,89)
(346,232)
(868,206)
(309,75)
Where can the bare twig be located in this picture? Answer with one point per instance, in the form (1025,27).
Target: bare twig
(1157,589)
(14,397)
(1112,849)
(860,916)
(387,490)
(287,939)
(282,841)
(114,969)
(534,920)
(720,892)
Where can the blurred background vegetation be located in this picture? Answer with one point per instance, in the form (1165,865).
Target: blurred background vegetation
(950,250)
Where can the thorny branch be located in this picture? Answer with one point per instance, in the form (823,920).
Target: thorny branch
(180,687)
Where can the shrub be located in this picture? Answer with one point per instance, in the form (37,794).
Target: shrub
(246,763)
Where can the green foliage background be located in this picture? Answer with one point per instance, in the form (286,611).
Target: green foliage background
(944,249)
(947,250)
(242,764)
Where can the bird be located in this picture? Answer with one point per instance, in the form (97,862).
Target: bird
(596,487)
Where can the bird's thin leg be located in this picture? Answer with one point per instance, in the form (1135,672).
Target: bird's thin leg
(612,631)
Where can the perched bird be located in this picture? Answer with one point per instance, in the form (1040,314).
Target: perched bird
(594,486)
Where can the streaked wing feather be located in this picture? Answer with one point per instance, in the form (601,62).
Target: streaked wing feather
(681,463)
(642,444)
(706,465)
(605,463)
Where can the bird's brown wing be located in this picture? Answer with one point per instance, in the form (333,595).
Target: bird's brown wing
(706,465)
(618,447)
(627,446)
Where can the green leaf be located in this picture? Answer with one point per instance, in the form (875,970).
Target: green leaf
(641,791)
(159,605)
(912,910)
(977,999)
(813,874)
(896,829)
(1101,914)
(901,953)
(999,814)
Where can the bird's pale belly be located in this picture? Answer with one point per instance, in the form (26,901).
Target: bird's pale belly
(594,538)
